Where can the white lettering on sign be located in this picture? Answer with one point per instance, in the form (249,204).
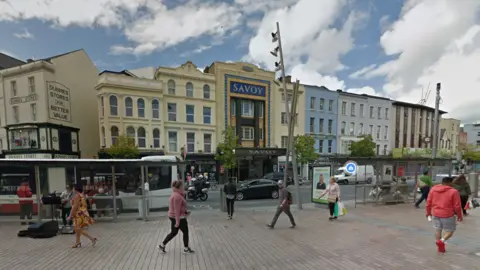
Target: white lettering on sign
(29,156)
(247,89)
(59,102)
(29,98)
(262,152)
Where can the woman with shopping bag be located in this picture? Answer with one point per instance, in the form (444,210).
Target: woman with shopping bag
(333,196)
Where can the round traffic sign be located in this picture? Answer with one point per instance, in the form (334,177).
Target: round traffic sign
(351,167)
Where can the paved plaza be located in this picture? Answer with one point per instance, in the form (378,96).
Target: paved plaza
(370,237)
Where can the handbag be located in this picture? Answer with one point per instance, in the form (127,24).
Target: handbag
(342,211)
(474,203)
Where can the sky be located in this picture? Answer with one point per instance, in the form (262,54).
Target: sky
(397,48)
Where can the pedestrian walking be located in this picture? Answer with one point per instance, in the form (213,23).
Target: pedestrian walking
(177,213)
(81,218)
(425,184)
(461,185)
(67,197)
(285,201)
(333,196)
(443,204)
(230,191)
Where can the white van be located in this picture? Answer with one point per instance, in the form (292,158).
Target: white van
(365,174)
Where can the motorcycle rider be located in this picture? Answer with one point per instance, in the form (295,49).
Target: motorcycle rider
(198,185)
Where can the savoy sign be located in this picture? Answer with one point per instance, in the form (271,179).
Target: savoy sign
(247,89)
(58,102)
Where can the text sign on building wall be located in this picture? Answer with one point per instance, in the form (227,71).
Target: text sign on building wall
(18,100)
(247,89)
(58,102)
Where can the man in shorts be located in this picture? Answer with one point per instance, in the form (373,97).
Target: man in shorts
(443,204)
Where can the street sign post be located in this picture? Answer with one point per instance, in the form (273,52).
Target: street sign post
(351,167)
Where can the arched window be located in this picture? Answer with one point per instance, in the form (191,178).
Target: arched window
(142,140)
(141,107)
(102,105)
(156,138)
(128,106)
(206,91)
(113,105)
(189,88)
(131,133)
(155,109)
(171,87)
(114,134)
(442,144)
(104,140)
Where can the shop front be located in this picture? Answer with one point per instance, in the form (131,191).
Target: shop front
(256,162)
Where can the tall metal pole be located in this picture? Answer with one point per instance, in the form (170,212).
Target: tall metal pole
(290,143)
(435,123)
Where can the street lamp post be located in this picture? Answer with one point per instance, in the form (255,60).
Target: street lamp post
(280,66)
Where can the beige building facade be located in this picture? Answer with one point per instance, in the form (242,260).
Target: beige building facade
(449,136)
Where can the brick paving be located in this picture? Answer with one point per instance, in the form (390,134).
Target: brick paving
(369,237)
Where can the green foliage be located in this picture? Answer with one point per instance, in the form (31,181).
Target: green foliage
(471,153)
(227,149)
(305,149)
(124,148)
(363,148)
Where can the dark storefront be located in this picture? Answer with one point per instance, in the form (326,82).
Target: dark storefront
(256,162)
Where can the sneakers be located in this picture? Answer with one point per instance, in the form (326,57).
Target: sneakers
(440,246)
(293,226)
(188,250)
(229,217)
(161,248)
(270,226)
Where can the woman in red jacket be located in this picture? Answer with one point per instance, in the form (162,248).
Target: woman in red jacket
(177,213)
(26,203)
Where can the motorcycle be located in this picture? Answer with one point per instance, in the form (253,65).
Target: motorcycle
(192,193)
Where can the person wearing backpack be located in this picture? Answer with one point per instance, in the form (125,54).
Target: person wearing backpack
(230,190)
(285,201)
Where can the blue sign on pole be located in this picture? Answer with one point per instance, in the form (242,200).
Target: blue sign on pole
(351,167)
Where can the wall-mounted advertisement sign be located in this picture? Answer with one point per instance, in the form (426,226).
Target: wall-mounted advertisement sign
(25,99)
(321,177)
(59,102)
(247,89)
(29,156)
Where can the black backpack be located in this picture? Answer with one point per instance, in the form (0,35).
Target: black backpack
(289,198)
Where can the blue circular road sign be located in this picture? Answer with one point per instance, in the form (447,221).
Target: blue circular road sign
(351,167)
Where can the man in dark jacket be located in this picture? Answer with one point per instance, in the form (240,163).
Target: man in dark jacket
(283,207)
(230,190)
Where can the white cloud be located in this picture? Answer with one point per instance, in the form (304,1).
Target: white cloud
(361,72)
(311,77)
(24,35)
(434,41)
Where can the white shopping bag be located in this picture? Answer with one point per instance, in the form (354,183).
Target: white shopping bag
(342,211)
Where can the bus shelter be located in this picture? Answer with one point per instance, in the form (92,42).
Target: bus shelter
(114,188)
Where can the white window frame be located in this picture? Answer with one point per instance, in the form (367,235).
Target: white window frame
(312,103)
(207,116)
(155,111)
(284,141)
(171,85)
(387,112)
(206,91)
(141,108)
(172,115)
(190,145)
(330,127)
(312,124)
(187,115)
(13,88)
(31,84)
(156,140)
(172,145)
(379,132)
(113,108)
(385,136)
(247,108)
(322,104)
(248,133)
(16,114)
(205,144)
(344,108)
(321,123)
(33,111)
(330,105)
(352,128)
(114,135)
(142,138)
(343,127)
(188,90)
(362,110)
(329,146)
(128,109)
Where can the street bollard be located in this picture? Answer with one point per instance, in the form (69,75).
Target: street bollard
(473,182)
(223,204)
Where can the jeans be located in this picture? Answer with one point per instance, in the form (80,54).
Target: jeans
(424,190)
(174,231)
(230,203)
(331,207)
(464,200)
(65,213)
(286,210)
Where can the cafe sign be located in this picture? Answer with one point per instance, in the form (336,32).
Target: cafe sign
(59,102)
(247,89)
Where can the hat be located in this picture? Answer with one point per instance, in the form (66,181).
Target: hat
(280,182)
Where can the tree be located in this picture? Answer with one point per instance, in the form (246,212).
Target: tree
(226,149)
(124,148)
(363,148)
(305,149)
(471,153)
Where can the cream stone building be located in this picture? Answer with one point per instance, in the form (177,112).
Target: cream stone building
(449,134)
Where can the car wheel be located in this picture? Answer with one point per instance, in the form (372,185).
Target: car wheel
(345,182)
(274,194)
(239,196)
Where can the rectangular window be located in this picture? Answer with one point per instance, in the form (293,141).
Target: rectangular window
(385,149)
(260,110)
(362,112)
(353,109)
(172,141)
(330,143)
(330,105)
(312,103)
(284,141)
(379,112)
(344,108)
(207,115)
(233,107)
(361,129)
(16,117)
(190,113)
(172,112)
(378,149)
(320,146)
(33,111)
(352,128)
(247,108)
(190,142)
(284,118)
(13,88)
(207,143)
(322,104)
(247,133)
(25,138)
(31,85)
(386,113)
(385,136)
(330,126)
(371,111)
(320,125)
(370,131)
(312,124)
(343,128)
(379,128)
(260,135)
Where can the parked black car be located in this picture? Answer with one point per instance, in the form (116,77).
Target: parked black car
(276,176)
(257,189)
